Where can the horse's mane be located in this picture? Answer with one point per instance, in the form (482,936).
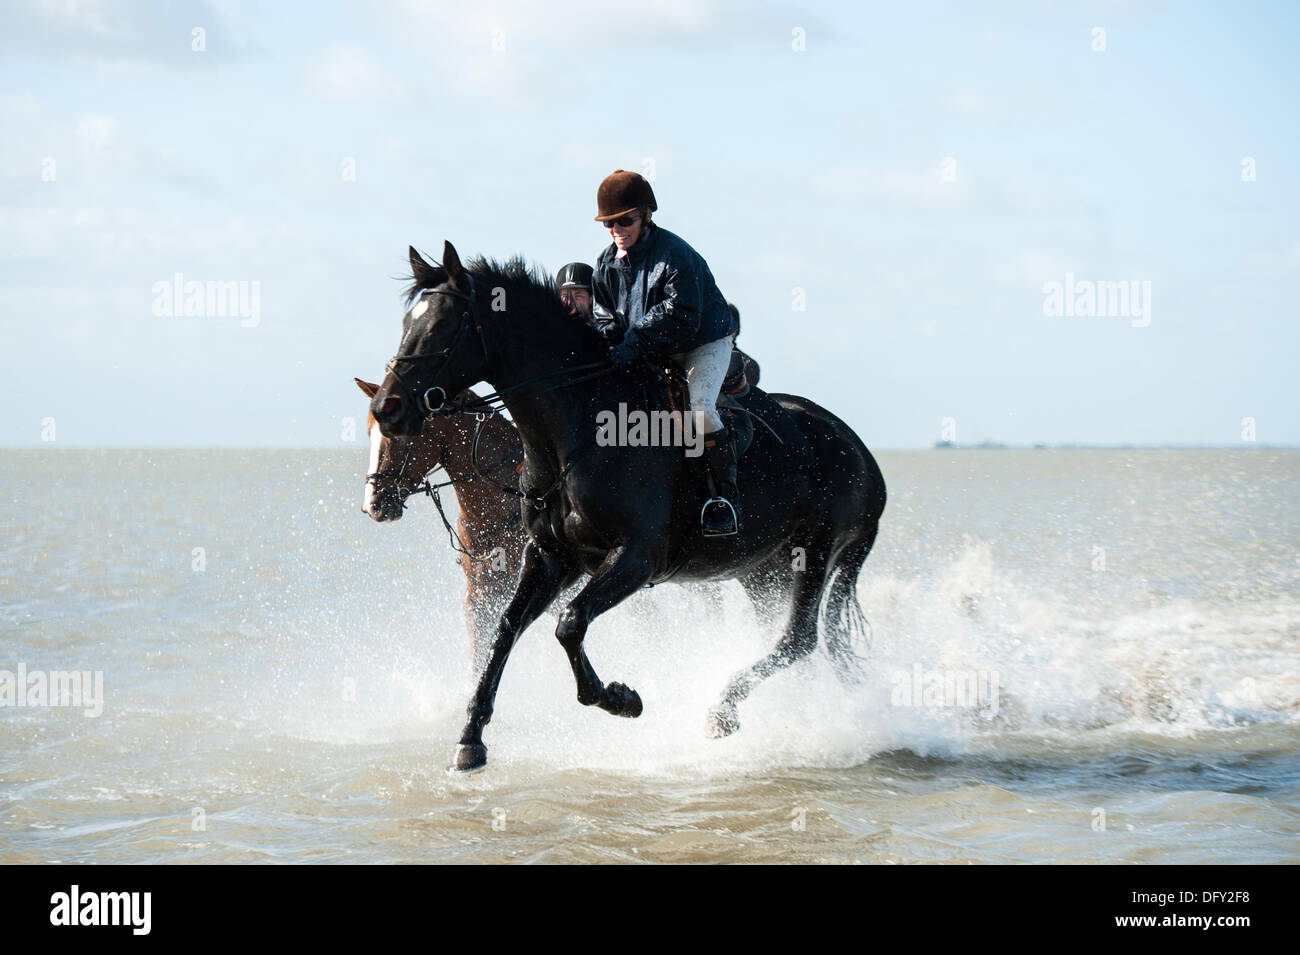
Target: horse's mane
(523,283)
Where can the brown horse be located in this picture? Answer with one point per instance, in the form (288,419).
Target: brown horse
(490,527)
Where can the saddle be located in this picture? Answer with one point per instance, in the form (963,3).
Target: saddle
(731,412)
(763,433)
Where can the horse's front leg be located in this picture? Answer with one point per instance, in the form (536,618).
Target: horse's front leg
(480,619)
(541,578)
(487,593)
(625,569)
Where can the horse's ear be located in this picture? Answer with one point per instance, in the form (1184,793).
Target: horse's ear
(451,262)
(367,387)
(418,265)
(426,274)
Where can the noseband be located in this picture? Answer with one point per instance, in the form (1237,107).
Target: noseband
(399,476)
(426,486)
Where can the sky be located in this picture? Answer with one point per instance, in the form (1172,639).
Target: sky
(886,191)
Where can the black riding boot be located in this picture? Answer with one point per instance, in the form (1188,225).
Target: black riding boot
(720,515)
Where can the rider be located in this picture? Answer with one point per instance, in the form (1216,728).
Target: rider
(654,295)
(574,282)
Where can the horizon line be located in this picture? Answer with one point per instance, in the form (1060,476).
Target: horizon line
(990,446)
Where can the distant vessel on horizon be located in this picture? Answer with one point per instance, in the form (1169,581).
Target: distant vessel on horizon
(1074,446)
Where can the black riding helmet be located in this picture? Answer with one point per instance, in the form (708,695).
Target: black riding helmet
(574,275)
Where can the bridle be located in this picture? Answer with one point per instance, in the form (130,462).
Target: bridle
(462,331)
(491,404)
(398,476)
(425,486)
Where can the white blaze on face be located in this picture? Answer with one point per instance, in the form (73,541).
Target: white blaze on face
(375,438)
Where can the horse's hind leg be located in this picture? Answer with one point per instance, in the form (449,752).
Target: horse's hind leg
(768,588)
(623,572)
(800,639)
(844,618)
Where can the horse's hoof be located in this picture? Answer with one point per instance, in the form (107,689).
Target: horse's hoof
(722,721)
(621,700)
(469,757)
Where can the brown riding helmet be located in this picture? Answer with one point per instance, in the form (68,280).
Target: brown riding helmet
(622,192)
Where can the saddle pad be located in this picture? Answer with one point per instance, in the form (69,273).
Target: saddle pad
(738,421)
(785,452)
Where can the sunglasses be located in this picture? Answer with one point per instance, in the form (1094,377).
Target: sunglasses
(623,222)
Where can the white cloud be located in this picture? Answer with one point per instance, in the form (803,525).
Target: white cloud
(352,74)
(137,31)
(86,15)
(581,154)
(917,188)
(505,51)
(95,135)
(1032,267)
(580,25)
(971,103)
(1291,258)
(1279,263)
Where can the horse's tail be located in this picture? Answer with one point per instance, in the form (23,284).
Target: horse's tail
(847,632)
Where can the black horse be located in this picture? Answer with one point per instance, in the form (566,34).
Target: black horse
(627,516)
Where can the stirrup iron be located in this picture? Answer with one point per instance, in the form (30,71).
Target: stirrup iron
(731,518)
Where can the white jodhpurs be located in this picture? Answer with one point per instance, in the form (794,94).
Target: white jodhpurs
(705,369)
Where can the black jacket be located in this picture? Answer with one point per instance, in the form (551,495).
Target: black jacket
(660,298)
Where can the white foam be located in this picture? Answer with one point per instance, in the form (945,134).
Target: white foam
(1170,671)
